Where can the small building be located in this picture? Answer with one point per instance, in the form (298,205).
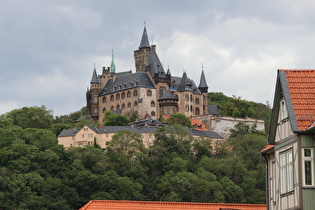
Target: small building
(289,154)
(100,135)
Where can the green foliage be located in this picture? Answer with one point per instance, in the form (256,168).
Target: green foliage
(179,119)
(111,119)
(240,108)
(37,173)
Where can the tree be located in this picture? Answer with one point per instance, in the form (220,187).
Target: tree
(179,119)
(111,119)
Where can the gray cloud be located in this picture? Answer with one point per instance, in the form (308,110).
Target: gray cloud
(48,48)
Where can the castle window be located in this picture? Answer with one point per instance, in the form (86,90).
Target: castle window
(191,109)
(95,110)
(149,93)
(112,108)
(196,100)
(125,85)
(197,111)
(129,105)
(95,98)
(152,104)
(128,94)
(123,95)
(112,98)
(152,114)
(162,91)
(135,93)
(118,107)
(135,103)
(191,98)
(187,108)
(104,109)
(187,97)
(131,84)
(117,96)
(123,106)
(104,99)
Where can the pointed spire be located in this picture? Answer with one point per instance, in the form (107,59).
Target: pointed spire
(144,40)
(168,70)
(94,77)
(203,87)
(112,65)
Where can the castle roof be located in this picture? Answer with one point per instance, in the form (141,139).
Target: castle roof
(177,82)
(203,83)
(155,65)
(144,40)
(127,81)
(94,77)
(168,95)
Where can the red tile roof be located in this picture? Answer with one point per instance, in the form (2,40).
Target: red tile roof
(269,146)
(154,205)
(197,124)
(301,85)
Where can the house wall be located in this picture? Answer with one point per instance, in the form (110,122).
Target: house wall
(67,141)
(84,137)
(289,200)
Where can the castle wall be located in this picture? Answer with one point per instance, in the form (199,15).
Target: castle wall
(223,124)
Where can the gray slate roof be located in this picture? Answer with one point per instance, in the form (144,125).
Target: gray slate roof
(94,77)
(127,81)
(155,65)
(140,129)
(168,95)
(213,110)
(144,40)
(203,83)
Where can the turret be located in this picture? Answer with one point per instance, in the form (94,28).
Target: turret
(142,53)
(92,96)
(112,65)
(203,87)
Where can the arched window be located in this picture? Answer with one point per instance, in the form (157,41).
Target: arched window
(149,93)
(152,114)
(104,99)
(187,97)
(123,95)
(135,93)
(191,98)
(135,103)
(118,107)
(112,108)
(112,98)
(123,106)
(95,110)
(128,94)
(187,108)
(152,104)
(95,98)
(129,105)
(104,109)
(196,100)
(117,96)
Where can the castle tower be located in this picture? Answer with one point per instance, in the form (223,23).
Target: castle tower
(112,65)
(142,53)
(203,87)
(168,104)
(92,96)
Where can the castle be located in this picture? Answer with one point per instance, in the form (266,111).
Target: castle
(150,91)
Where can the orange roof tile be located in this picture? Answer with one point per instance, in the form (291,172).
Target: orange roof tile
(154,205)
(198,125)
(269,146)
(301,85)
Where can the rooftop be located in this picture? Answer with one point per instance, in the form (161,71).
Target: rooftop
(301,87)
(154,205)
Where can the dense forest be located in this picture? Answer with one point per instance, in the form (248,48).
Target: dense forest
(37,173)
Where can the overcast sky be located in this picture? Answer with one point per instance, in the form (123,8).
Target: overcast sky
(48,48)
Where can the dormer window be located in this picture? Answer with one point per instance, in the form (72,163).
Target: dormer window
(283,110)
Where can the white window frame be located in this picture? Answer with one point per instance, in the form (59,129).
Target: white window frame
(286,171)
(273,181)
(311,160)
(283,110)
